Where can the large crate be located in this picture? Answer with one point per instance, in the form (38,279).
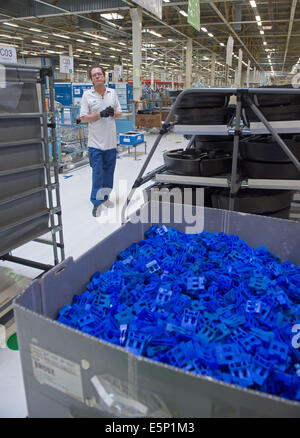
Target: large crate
(69,373)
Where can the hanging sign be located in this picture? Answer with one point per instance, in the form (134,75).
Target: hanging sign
(194,14)
(8,54)
(66,64)
(155,6)
(230,43)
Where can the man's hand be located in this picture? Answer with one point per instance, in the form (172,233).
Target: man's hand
(109,111)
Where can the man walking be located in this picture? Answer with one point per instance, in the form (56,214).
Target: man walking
(99,108)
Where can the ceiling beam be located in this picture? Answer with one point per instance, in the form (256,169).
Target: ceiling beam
(214,7)
(293,9)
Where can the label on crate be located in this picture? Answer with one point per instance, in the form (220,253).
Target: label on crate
(56,371)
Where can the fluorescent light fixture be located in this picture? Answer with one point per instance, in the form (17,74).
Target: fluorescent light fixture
(181,12)
(112,56)
(265,43)
(5,36)
(166,1)
(170,39)
(122,44)
(112,16)
(34,29)
(261,32)
(76,56)
(210,35)
(50,51)
(155,33)
(259,23)
(252,3)
(18,38)
(41,42)
(95,44)
(11,24)
(97,53)
(59,45)
(44,36)
(222,44)
(116,50)
(80,41)
(88,51)
(204,29)
(79,50)
(95,36)
(257,18)
(61,36)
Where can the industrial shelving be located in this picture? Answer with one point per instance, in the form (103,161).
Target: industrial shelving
(237,129)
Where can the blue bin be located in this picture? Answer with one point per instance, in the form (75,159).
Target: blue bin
(131,138)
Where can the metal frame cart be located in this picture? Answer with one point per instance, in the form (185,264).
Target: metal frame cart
(30,198)
(244,97)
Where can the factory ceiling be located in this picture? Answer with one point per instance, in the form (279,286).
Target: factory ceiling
(267,31)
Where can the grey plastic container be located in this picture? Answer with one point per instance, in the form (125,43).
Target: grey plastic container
(52,353)
(14,185)
(21,233)
(20,129)
(15,156)
(13,211)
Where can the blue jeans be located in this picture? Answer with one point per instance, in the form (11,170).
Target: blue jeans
(103,165)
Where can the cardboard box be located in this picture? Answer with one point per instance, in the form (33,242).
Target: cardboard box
(148,120)
(69,373)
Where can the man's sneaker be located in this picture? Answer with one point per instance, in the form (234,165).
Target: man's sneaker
(108,204)
(97,209)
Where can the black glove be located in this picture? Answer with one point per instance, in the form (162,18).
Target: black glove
(109,111)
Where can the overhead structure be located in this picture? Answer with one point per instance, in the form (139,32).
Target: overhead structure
(266,31)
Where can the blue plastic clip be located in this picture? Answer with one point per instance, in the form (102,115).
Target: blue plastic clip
(163,296)
(240,372)
(253,306)
(190,319)
(196,283)
(154,268)
(136,343)
(227,353)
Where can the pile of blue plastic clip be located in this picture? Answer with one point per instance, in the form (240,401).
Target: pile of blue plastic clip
(206,303)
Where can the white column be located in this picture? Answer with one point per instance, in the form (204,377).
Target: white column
(136,17)
(71,75)
(188,66)
(213,70)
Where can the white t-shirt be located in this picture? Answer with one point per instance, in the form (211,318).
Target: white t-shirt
(102,133)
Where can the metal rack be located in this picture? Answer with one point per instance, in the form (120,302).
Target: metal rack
(30,201)
(233,182)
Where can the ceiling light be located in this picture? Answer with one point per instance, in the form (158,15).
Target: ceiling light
(155,33)
(265,43)
(261,32)
(95,44)
(80,41)
(112,16)
(259,23)
(97,53)
(83,64)
(5,36)
(34,29)
(210,35)
(18,38)
(122,44)
(112,56)
(183,13)
(60,36)
(222,44)
(170,39)
(95,36)
(252,3)
(88,51)
(59,45)
(76,56)
(11,24)
(204,29)
(44,36)
(166,1)
(116,50)
(41,42)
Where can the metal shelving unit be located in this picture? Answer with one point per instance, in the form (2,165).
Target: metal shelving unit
(233,181)
(29,197)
